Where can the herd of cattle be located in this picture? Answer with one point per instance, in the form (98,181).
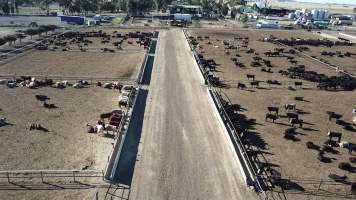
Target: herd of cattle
(66,40)
(309,42)
(295,71)
(114,117)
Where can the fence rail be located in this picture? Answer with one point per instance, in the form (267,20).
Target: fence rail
(241,151)
(64,77)
(48,175)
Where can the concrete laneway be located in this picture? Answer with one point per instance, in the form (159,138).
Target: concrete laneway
(184,152)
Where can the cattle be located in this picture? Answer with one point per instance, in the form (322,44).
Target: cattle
(105,115)
(2,121)
(350,146)
(345,166)
(289,134)
(48,105)
(255,83)
(299,98)
(292,115)
(241,86)
(273,117)
(296,121)
(291,106)
(32,85)
(78,85)
(311,145)
(41,97)
(11,84)
(273,109)
(59,85)
(37,127)
(108,85)
(332,135)
(298,83)
(333,115)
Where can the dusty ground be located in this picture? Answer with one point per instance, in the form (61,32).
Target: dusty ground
(66,145)
(123,64)
(292,159)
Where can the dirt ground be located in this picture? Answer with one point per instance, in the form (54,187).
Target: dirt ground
(290,158)
(123,64)
(65,145)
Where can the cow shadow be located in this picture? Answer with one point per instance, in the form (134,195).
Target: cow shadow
(7,124)
(254,139)
(289,185)
(310,129)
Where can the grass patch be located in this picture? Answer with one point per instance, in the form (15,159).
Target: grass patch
(117,21)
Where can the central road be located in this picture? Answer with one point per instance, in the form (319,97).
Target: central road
(184,152)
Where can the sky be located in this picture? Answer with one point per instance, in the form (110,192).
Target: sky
(331,1)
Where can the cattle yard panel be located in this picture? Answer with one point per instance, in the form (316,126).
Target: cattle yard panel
(92,79)
(51,176)
(241,151)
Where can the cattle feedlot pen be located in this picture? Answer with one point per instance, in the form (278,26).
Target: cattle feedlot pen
(236,139)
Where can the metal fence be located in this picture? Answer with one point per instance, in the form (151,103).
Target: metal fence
(91,79)
(23,176)
(238,144)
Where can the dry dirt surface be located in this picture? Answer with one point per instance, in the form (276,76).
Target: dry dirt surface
(64,143)
(290,158)
(92,64)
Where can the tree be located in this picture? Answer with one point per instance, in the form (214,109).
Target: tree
(5,7)
(108,6)
(233,3)
(255,7)
(20,36)
(354,10)
(233,12)
(138,7)
(224,9)
(10,39)
(243,18)
(44,5)
(31,32)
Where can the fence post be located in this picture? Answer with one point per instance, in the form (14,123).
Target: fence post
(8,177)
(74,176)
(42,177)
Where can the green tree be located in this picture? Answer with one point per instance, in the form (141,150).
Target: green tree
(354,10)
(136,7)
(243,18)
(255,7)
(20,36)
(10,39)
(224,9)
(234,12)
(5,7)
(31,32)
(108,6)
(233,3)
(45,5)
